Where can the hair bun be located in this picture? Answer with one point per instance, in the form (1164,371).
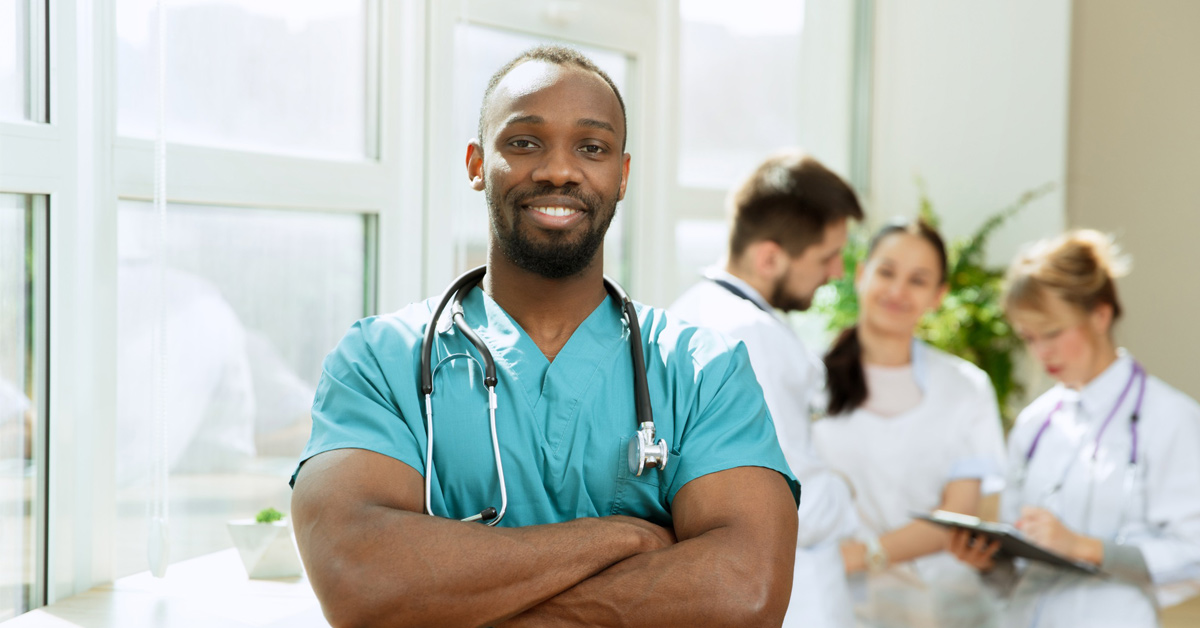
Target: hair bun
(1103,249)
(1079,266)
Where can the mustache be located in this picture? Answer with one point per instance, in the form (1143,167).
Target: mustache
(518,197)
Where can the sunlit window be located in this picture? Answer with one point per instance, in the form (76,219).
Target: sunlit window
(739,86)
(14,59)
(21,380)
(275,76)
(255,298)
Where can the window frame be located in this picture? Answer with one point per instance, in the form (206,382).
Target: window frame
(74,159)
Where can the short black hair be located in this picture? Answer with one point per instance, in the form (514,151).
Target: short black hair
(558,55)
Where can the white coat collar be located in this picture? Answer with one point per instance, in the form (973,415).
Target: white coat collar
(1098,396)
(716,272)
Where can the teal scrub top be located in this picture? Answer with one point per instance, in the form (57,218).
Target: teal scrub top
(563,426)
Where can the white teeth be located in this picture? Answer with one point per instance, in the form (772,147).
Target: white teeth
(556,212)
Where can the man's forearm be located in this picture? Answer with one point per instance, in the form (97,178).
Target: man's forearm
(704,581)
(451,573)
(373,560)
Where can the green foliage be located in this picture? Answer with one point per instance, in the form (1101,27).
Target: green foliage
(268,515)
(971,322)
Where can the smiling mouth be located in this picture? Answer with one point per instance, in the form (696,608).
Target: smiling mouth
(555,212)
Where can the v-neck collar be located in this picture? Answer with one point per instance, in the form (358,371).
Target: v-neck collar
(519,355)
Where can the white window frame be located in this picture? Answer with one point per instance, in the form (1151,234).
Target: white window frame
(78,162)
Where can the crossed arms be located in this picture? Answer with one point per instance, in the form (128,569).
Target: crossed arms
(375,560)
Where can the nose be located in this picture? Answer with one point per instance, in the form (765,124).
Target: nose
(896,288)
(559,168)
(1041,350)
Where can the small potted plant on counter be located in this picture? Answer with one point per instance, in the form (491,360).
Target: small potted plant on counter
(266,546)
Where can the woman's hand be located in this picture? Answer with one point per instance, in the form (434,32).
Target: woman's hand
(854,556)
(973,550)
(1041,527)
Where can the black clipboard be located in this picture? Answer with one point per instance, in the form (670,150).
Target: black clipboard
(1012,543)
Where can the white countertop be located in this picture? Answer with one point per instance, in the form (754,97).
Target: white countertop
(206,592)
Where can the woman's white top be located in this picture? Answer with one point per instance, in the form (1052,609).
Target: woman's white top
(1156,509)
(900,465)
(892,390)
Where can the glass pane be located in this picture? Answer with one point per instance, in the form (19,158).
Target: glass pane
(20,505)
(255,299)
(480,52)
(276,76)
(739,86)
(14,60)
(699,244)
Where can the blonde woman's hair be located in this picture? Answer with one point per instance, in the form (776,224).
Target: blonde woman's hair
(1079,267)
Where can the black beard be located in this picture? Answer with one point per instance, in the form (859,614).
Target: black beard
(783,301)
(559,257)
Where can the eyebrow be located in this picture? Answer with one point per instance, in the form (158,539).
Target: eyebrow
(583,122)
(596,124)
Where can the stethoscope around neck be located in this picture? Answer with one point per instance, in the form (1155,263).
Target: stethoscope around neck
(1138,374)
(643,451)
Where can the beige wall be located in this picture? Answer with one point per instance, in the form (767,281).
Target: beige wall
(1134,166)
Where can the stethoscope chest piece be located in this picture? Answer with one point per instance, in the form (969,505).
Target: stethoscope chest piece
(644,452)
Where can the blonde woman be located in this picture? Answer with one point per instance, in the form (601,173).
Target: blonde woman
(1105,467)
(913,429)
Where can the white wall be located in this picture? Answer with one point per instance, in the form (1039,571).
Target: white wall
(971,97)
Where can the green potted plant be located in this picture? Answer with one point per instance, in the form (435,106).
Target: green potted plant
(265,545)
(971,322)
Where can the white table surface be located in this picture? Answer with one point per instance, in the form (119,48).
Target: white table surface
(206,592)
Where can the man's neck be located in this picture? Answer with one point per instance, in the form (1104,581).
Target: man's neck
(761,285)
(549,310)
(883,349)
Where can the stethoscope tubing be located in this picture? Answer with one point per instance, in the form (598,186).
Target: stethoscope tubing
(1138,373)
(455,294)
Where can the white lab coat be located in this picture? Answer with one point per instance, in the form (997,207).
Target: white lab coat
(1166,529)
(790,376)
(900,465)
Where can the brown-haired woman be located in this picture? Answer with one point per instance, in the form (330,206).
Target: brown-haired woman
(1105,467)
(914,430)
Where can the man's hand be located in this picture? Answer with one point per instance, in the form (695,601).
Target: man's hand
(374,559)
(732,565)
(658,537)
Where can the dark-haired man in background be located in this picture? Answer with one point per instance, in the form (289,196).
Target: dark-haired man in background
(788,227)
(706,541)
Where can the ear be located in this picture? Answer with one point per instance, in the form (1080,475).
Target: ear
(475,164)
(941,295)
(624,176)
(1102,318)
(770,260)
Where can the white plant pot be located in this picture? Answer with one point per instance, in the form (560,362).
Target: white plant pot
(267,549)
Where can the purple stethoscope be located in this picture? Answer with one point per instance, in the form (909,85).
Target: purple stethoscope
(1132,470)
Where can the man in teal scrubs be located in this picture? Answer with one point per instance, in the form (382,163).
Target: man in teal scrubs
(709,540)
